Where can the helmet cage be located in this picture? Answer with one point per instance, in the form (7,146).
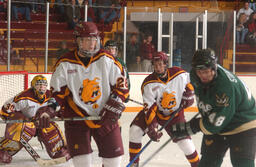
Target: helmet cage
(39,80)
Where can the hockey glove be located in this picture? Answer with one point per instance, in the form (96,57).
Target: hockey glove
(152,131)
(187,97)
(111,112)
(184,129)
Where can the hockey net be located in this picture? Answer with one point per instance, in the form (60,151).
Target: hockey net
(12,83)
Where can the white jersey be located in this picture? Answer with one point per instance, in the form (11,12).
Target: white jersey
(165,96)
(26,103)
(87,88)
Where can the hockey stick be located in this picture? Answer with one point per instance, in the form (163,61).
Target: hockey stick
(167,122)
(135,101)
(36,157)
(55,119)
(162,146)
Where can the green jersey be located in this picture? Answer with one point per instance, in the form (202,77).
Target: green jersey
(226,104)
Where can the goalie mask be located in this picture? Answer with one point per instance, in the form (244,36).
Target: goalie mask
(39,85)
(160,63)
(87,38)
(204,59)
(112,47)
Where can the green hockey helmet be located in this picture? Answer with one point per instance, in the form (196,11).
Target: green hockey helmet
(204,59)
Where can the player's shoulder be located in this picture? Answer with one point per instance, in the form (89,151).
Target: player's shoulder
(70,57)
(152,78)
(108,57)
(26,94)
(175,71)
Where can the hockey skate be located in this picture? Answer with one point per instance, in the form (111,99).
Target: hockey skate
(135,164)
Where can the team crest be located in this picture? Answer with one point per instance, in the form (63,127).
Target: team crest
(90,92)
(222,101)
(168,100)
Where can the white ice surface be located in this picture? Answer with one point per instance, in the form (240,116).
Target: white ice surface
(170,156)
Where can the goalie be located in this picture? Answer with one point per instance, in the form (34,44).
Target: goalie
(24,106)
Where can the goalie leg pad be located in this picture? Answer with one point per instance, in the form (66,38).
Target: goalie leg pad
(5,157)
(17,130)
(54,141)
(12,147)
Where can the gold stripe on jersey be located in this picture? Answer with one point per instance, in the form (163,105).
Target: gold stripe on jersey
(66,93)
(89,123)
(125,95)
(159,81)
(3,113)
(134,151)
(32,99)
(152,115)
(242,128)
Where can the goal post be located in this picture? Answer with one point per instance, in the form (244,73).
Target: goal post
(12,83)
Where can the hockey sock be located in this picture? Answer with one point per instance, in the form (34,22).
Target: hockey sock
(193,159)
(237,162)
(134,148)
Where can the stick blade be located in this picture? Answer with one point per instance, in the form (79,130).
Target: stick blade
(50,162)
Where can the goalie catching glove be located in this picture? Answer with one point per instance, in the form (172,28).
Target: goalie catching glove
(110,113)
(184,129)
(45,113)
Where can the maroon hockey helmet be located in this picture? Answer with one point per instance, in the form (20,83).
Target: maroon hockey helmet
(160,56)
(86,29)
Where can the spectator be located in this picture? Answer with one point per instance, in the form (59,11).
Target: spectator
(252,5)
(73,14)
(109,10)
(147,49)
(132,54)
(62,50)
(3,5)
(19,7)
(252,29)
(245,10)
(91,10)
(60,10)
(241,29)
(38,5)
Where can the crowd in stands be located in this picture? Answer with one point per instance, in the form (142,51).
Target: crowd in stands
(246,24)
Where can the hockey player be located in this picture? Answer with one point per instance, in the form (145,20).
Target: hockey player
(228,114)
(24,106)
(112,47)
(90,82)
(163,92)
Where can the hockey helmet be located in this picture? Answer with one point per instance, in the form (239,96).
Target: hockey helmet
(89,30)
(160,56)
(39,85)
(86,29)
(204,59)
(111,44)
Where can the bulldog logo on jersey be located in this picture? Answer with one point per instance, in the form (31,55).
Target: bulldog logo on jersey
(168,100)
(90,91)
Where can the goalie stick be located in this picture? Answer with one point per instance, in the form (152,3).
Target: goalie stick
(55,119)
(36,157)
(148,143)
(161,147)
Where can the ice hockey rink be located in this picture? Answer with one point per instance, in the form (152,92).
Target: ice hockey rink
(170,156)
